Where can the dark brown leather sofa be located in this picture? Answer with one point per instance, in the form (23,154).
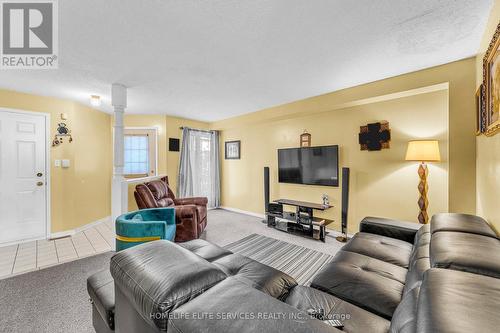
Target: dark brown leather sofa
(446,279)
(190,213)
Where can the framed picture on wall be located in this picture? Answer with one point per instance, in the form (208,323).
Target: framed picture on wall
(491,86)
(232,150)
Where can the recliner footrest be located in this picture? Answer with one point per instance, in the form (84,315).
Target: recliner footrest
(101,289)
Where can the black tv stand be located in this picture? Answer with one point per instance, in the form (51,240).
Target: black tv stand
(301,222)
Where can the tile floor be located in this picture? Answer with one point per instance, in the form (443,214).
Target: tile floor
(26,257)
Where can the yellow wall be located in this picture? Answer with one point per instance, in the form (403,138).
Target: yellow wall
(292,118)
(462,148)
(168,162)
(382,183)
(80,194)
(488,149)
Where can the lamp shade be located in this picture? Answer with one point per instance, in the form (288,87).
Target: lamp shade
(423,151)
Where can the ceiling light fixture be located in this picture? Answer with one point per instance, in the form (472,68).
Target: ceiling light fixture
(95,100)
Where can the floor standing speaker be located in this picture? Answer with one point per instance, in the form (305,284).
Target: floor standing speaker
(266,190)
(345,204)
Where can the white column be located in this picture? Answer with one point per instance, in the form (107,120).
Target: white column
(119,190)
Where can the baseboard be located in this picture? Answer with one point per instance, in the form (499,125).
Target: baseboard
(62,234)
(71,232)
(236,210)
(9,243)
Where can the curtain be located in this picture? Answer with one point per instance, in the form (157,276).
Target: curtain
(199,169)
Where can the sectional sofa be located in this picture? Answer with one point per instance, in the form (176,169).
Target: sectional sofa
(390,277)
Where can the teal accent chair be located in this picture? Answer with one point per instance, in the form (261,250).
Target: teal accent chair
(143,226)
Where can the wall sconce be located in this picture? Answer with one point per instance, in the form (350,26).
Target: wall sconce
(95,100)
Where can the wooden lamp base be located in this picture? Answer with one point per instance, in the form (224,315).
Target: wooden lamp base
(423,188)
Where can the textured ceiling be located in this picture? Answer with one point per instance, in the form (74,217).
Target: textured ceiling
(211,60)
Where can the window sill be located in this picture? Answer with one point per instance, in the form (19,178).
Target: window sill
(143,179)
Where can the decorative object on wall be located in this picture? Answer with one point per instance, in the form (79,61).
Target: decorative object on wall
(232,150)
(423,151)
(173,144)
(62,132)
(491,86)
(376,136)
(305,139)
(480,114)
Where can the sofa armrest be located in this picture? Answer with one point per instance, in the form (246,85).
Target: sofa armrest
(166,214)
(198,201)
(187,223)
(401,230)
(137,228)
(158,277)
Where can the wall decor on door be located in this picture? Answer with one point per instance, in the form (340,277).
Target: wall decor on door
(305,139)
(491,86)
(375,136)
(232,149)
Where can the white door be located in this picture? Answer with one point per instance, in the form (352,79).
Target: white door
(23,188)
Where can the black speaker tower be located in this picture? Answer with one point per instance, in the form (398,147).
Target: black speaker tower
(266,191)
(345,204)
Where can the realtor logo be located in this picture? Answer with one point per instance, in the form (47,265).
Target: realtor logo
(29,34)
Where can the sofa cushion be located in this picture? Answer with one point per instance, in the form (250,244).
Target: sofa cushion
(234,306)
(137,217)
(454,301)
(462,223)
(264,278)
(206,250)
(354,318)
(165,202)
(419,258)
(159,276)
(421,247)
(423,232)
(404,319)
(466,252)
(384,248)
(372,284)
(158,188)
(101,289)
(416,273)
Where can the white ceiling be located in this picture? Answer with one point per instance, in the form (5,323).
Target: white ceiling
(210,60)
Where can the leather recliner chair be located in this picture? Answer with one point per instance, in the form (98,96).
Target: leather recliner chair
(190,213)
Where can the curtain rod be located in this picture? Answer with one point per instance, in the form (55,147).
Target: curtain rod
(195,129)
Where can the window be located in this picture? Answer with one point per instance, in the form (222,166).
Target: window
(140,153)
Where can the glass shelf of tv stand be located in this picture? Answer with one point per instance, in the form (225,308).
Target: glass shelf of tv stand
(303,226)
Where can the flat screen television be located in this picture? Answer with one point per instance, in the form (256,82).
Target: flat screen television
(309,165)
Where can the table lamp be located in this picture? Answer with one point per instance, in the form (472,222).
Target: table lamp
(423,151)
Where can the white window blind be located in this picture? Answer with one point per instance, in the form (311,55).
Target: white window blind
(137,155)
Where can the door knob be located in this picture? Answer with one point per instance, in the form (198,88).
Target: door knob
(39,183)
(39,174)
